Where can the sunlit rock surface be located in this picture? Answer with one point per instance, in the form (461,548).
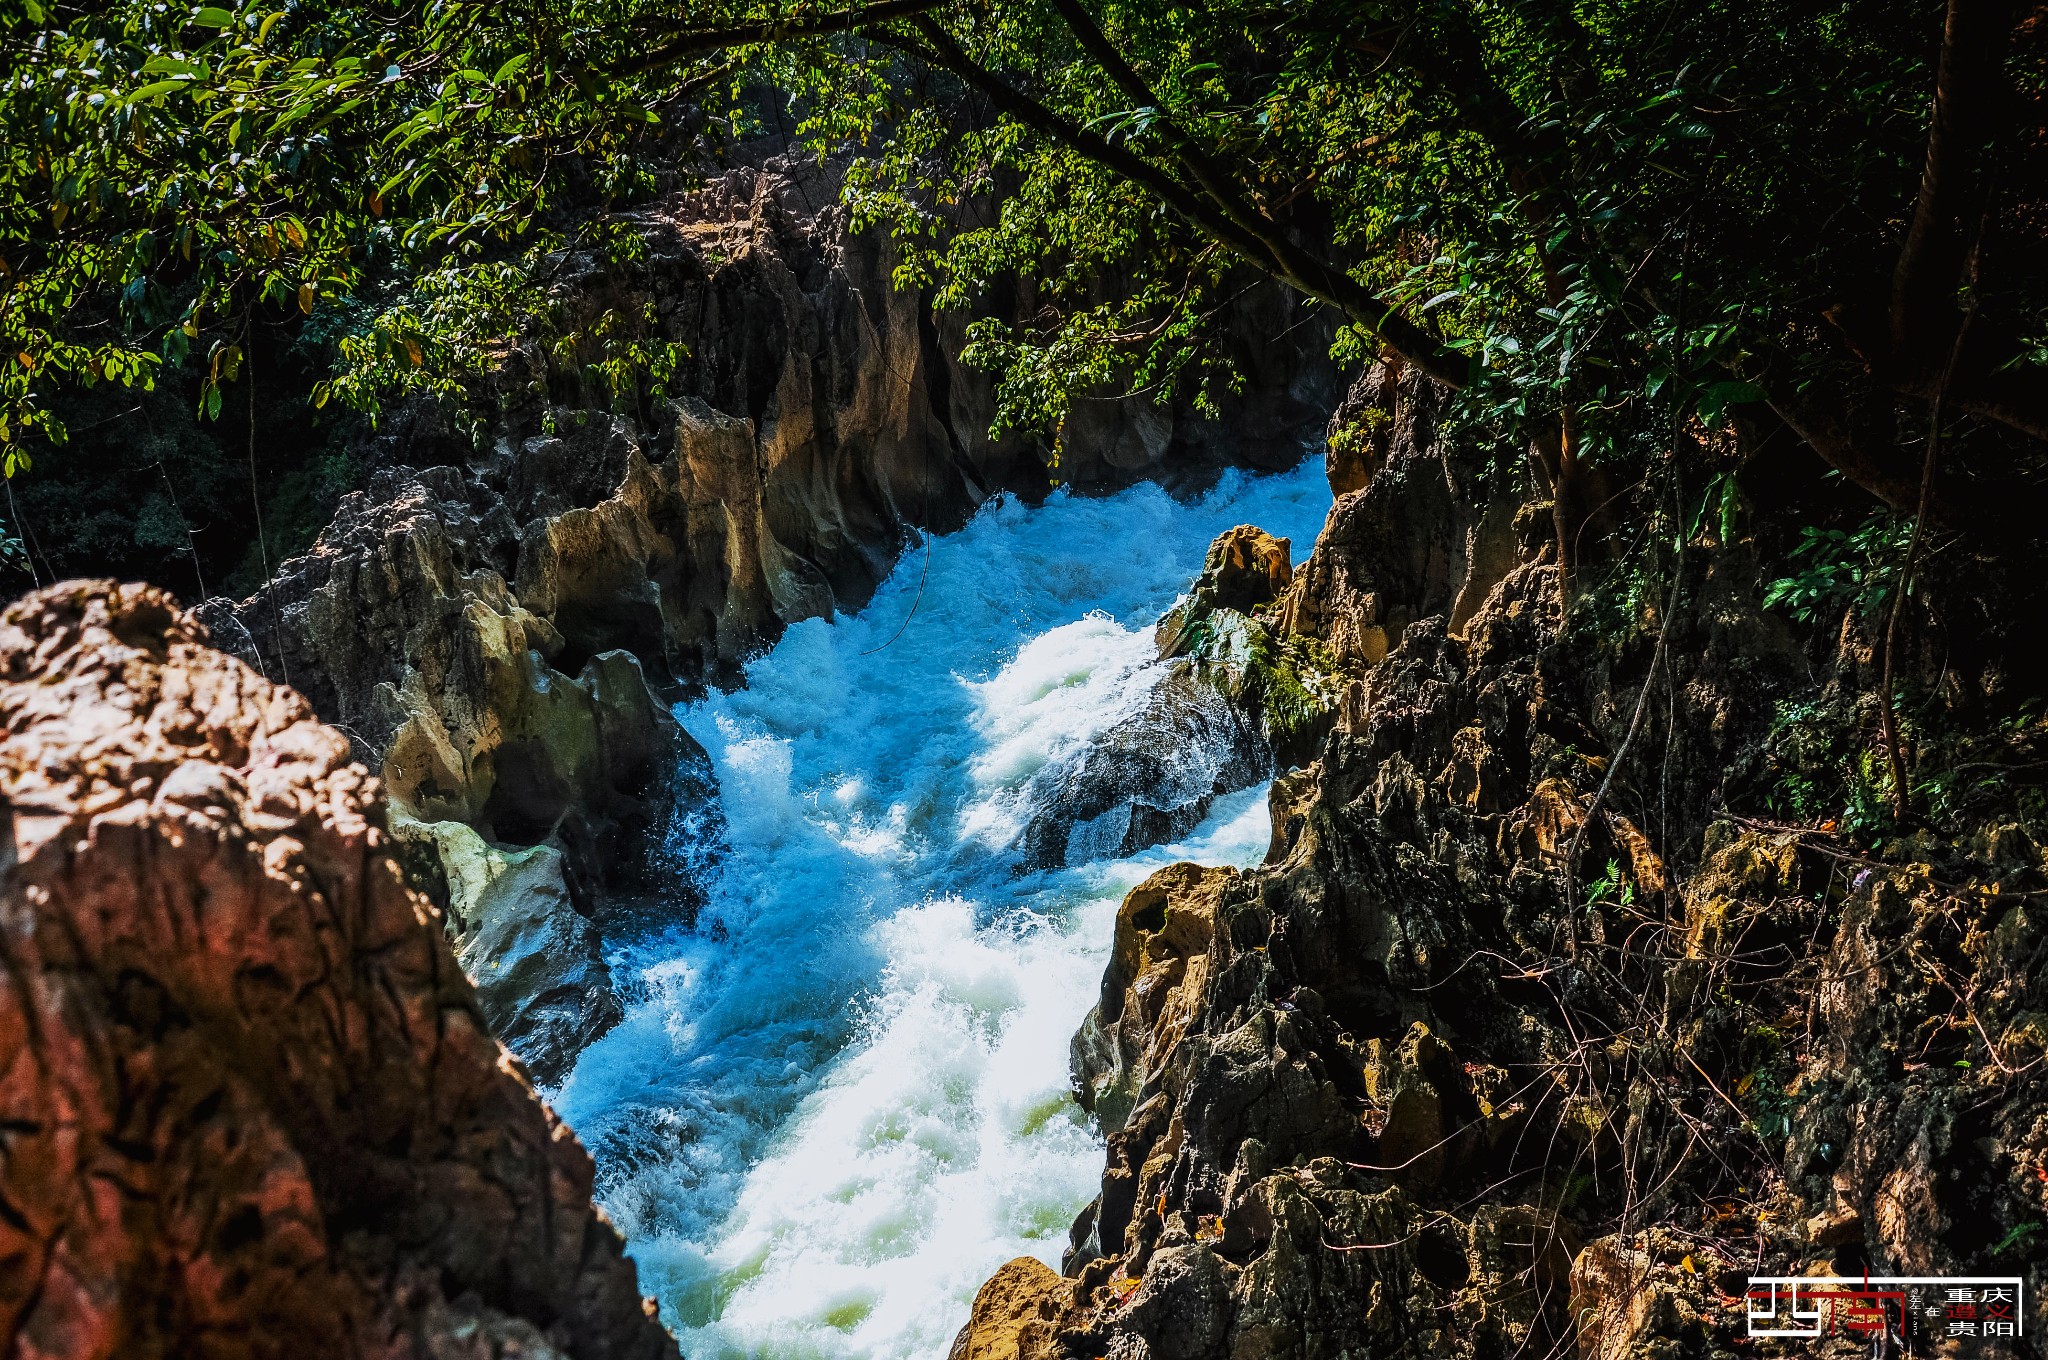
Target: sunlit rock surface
(252,1108)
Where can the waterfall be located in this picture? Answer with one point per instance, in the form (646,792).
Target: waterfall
(837,1104)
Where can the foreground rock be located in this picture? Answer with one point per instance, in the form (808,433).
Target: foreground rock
(252,1108)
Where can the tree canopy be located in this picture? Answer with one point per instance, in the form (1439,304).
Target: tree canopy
(1595,219)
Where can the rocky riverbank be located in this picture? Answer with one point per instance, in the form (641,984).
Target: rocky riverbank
(1534,1035)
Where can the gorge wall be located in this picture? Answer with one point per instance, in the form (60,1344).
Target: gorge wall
(252,1105)
(499,631)
(1401,1092)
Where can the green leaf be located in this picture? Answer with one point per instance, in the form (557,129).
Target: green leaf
(213,16)
(1718,397)
(157,89)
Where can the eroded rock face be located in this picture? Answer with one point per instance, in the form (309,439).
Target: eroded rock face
(402,626)
(1411,533)
(500,632)
(1393,1094)
(252,1106)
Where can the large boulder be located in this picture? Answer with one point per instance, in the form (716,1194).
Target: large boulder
(252,1105)
(1147,779)
(1013,1315)
(1245,567)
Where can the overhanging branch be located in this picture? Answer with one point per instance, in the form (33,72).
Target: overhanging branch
(707,40)
(1291,265)
(1970,99)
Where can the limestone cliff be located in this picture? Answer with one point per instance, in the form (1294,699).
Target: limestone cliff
(1401,1091)
(500,632)
(252,1107)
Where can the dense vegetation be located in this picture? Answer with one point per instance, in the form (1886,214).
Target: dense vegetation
(1612,226)
(1594,215)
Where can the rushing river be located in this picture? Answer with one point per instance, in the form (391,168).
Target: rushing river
(837,1105)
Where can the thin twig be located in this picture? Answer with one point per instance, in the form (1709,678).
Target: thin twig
(256,500)
(1889,707)
(27,548)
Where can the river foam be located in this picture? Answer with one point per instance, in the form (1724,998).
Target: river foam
(834,1108)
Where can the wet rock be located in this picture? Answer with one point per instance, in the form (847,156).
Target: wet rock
(402,630)
(1244,568)
(1148,779)
(536,961)
(252,1103)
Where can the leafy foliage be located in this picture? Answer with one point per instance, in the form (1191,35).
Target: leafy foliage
(167,168)
(1837,568)
(1601,222)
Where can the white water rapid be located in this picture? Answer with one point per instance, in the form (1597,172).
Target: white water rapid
(833,1109)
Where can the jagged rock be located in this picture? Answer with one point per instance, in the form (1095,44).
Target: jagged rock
(1405,542)
(1145,780)
(1158,964)
(1281,1091)
(1414,1087)
(252,1105)
(1372,1097)
(1013,1313)
(409,640)
(536,961)
(1637,1300)
(1362,429)
(1244,568)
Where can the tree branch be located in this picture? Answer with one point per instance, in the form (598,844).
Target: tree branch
(702,41)
(1867,460)
(1291,266)
(1970,92)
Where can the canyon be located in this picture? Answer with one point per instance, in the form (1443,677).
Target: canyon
(500,632)
(1024,681)
(1390,1068)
